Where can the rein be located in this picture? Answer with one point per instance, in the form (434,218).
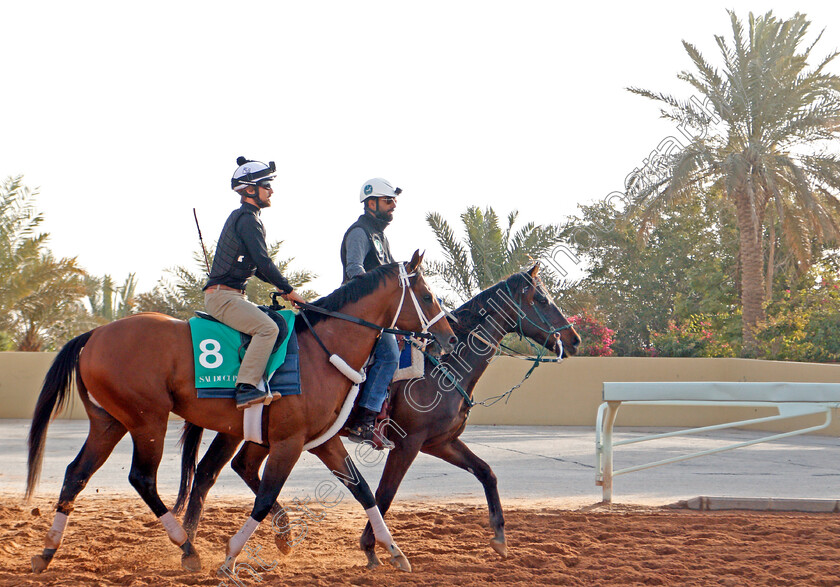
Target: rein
(354,319)
(405,285)
(540,350)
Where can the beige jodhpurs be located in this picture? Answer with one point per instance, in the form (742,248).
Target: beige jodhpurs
(234,309)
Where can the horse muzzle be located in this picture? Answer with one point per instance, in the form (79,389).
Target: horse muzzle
(443,344)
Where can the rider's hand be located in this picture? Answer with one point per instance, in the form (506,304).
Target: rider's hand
(293,297)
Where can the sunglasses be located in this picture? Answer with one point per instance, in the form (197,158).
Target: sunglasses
(265,185)
(388,199)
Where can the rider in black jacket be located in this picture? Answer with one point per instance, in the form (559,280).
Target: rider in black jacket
(240,254)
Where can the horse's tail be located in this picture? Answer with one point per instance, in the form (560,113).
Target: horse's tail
(189,443)
(51,402)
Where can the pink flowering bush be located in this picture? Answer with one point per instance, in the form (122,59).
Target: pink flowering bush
(596,338)
(695,336)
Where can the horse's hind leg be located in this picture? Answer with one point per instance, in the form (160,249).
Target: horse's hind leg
(148,450)
(458,454)
(218,454)
(335,457)
(104,434)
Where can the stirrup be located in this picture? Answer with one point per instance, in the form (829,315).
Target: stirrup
(367,433)
(249,396)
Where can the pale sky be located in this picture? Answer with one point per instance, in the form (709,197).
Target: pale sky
(127,116)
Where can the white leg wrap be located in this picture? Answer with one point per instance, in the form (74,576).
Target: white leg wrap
(53,539)
(238,540)
(173,528)
(252,423)
(380,530)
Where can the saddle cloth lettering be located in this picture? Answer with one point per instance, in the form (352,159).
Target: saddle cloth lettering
(217,355)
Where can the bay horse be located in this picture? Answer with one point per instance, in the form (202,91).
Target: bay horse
(428,414)
(133,372)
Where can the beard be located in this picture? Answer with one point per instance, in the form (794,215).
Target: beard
(383,215)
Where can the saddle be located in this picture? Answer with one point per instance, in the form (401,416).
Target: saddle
(218,350)
(283,329)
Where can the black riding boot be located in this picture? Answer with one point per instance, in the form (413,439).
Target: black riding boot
(361,428)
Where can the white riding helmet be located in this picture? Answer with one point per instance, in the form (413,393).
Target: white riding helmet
(251,173)
(378,188)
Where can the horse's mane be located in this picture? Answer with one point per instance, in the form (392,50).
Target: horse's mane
(350,292)
(469,313)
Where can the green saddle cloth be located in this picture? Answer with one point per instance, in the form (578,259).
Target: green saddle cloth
(217,354)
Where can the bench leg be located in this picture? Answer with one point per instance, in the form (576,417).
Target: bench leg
(607,413)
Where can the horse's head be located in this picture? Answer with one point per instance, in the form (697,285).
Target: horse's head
(419,309)
(537,316)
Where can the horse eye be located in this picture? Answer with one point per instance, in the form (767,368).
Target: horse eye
(427,298)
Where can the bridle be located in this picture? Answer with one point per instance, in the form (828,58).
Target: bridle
(540,351)
(336,360)
(549,331)
(405,284)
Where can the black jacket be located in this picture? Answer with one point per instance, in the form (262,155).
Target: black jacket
(379,252)
(242,253)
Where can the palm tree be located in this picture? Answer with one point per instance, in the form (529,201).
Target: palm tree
(108,302)
(40,299)
(49,309)
(488,253)
(774,118)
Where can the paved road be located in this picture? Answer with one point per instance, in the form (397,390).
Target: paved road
(554,465)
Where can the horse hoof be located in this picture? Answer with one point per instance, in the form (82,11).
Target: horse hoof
(398,559)
(282,544)
(224,571)
(191,562)
(499,546)
(373,560)
(39,564)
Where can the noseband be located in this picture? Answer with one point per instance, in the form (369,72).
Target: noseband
(405,284)
(549,331)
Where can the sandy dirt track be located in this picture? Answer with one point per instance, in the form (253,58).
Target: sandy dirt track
(117,541)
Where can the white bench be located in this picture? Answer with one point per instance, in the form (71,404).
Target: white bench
(791,400)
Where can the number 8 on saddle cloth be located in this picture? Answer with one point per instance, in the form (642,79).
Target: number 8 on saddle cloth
(218,350)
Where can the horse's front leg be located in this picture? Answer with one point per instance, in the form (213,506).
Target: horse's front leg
(457,453)
(281,459)
(333,454)
(247,464)
(396,466)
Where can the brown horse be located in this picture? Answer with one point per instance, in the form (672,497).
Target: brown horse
(428,414)
(135,371)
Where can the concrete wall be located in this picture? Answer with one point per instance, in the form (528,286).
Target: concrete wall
(556,394)
(569,393)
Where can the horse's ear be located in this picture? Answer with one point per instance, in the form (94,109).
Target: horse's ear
(534,270)
(416,259)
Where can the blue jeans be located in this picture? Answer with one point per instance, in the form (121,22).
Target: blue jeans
(386,359)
